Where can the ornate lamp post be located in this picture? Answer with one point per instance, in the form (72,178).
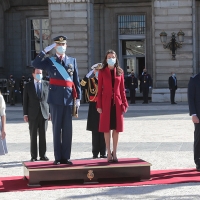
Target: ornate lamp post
(173,44)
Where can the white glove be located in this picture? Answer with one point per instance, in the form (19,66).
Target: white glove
(150,87)
(8,91)
(15,90)
(89,74)
(77,103)
(136,89)
(47,49)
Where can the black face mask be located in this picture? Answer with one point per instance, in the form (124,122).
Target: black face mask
(145,73)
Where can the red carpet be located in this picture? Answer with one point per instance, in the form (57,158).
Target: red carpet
(8,184)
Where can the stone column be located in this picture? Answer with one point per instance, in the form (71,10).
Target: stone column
(74,19)
(172,16)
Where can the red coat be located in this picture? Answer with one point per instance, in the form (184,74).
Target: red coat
(105,96)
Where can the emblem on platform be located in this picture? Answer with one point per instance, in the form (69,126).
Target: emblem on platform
(90,174)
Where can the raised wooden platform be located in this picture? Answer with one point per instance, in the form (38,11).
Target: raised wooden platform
(89,171)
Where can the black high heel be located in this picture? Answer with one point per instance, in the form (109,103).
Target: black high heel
(115,160)
(111,159)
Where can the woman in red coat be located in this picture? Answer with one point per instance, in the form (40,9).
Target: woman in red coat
(111,103)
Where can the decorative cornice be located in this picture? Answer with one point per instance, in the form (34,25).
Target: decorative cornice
(70,1)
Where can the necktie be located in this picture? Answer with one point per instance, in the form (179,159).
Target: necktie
(38,90)
(61,61)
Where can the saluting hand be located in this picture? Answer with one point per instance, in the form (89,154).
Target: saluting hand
(195,119)
(99,110)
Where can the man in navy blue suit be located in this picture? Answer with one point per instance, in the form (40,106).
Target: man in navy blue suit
(64,87)
(194,108)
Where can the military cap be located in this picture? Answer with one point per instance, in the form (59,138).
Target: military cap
(97,66)
(60,39)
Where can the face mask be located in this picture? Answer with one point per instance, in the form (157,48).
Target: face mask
(38,77)
(145,73)
(96,74)
(61,49)
(174,74)
(111,61)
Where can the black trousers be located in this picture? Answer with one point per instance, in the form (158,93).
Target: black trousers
(145,94)
(132,95)
(172,95)
(197,144)
(38,127)
(98,143)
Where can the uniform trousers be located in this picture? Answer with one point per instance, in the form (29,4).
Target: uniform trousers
(38,127)
(12,95)
(145,94)
(132,95)
(98,143)
(61,116)
(197,144)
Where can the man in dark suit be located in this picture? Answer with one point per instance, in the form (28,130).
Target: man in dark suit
(36,113)
(194,109)
(145,84)
(132,85)
(172,86)
(64,92)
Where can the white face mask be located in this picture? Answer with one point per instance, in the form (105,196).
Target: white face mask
(111,61)
(61,49)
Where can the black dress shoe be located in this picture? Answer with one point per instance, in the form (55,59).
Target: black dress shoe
(103,156)
(33,159)
(95,157)
(57,162)
(198,168)
(44,158)
(65,161)
(174,103)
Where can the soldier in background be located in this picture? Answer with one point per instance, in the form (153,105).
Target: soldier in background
(145,84)
(21,87)
(132,85)
(11,87)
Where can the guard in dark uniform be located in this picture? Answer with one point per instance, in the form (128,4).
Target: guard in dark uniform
(132,85)
(90,85)
(145,84)
(21,87)
(11,86)
(64,89)
(172,87)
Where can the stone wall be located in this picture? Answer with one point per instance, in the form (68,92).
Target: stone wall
(172,16)
(74,19)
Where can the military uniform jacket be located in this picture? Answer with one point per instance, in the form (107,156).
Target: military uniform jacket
(21,84)
(131,82)
(11,84)
(59,94)
(91,89)
(172,83)
(145,81)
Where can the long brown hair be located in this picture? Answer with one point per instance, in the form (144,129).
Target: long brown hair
(105,64)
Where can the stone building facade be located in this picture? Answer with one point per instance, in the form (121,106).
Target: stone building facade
(130,27)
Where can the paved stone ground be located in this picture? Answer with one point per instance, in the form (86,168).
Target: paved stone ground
(159,133)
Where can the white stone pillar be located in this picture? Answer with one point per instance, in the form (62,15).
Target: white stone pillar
(74,19)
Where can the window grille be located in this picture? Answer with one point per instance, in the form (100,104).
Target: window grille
(131,24)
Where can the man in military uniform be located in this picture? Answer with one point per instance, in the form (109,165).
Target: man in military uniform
(172,81)
(21,86)
(11,87)
(132,85)
(64,88)
(145,84)
(90,85)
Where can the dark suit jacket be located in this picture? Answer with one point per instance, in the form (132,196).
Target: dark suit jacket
(171,82)
(32,104)
(131,82)
(194,95)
